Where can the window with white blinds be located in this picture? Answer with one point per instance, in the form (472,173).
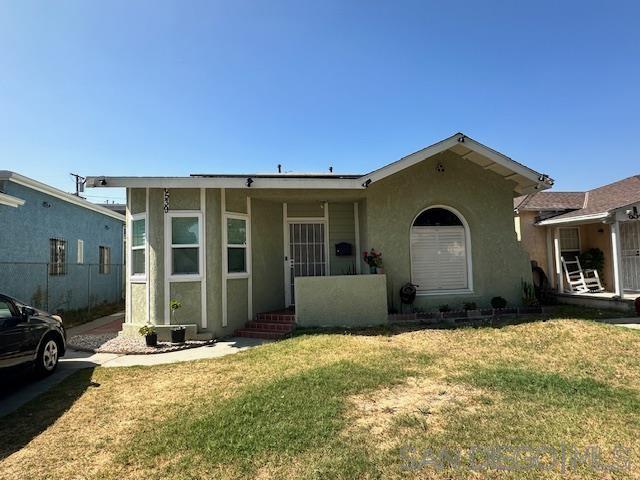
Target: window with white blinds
(570,239)
(439,260)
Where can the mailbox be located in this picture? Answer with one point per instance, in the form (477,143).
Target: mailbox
(343,249)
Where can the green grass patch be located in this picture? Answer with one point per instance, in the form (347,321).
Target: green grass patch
(287,416)
(555,390)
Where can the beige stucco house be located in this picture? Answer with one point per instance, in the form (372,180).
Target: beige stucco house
(234,249)
(556,225)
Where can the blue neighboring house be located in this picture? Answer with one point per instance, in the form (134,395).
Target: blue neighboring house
(58,251)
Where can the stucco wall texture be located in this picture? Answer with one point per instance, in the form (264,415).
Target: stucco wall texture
(486,202)
(386,211)
(25,251)
(341,301)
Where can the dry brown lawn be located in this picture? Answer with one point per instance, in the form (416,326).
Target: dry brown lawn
(370,405)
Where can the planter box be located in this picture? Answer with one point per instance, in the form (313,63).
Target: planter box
(474,313)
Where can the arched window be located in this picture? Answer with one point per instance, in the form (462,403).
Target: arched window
(440,259)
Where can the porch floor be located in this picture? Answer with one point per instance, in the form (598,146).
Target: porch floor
(604,300)
(630,296)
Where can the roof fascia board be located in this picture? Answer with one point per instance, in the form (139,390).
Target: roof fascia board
(494,156)
(209,182)
(411,159)
(10,200)
(54,192)
(577,219)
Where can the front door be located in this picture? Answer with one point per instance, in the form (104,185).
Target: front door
(306,254)
(630,243)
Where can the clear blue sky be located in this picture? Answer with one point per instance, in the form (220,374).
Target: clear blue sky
(172,88)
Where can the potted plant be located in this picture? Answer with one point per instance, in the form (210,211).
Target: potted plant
(374,260)
(177,333)
(472,309)
(150,335)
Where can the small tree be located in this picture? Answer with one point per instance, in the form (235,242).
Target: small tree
(174,305)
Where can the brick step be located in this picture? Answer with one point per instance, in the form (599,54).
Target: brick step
(264,334)
(274,326)
(275,318)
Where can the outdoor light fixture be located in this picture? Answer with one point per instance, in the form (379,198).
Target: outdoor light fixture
(249,182)
(46,204)
(367,183)
(103,182)
(633,213)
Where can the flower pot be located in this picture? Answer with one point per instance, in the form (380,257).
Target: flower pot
(373,269)
(379,270)
(151,340)
(177,335)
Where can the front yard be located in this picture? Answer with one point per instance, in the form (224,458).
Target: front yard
(399,404)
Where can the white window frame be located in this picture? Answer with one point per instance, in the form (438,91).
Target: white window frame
(80,252)
(468,250)
(169,246)
(137,277)
(246,246)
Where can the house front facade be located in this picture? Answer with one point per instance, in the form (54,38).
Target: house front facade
(231,247)
(58,251)
(554,227)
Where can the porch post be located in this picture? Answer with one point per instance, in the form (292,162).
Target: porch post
(556,248)
(615,250)
(550,269)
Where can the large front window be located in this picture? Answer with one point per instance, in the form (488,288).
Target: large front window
(185,244)
(439,252)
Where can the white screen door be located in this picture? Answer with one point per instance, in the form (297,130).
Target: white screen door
(630,242)
(307,254)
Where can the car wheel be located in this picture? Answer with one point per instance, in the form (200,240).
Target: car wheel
(47,360)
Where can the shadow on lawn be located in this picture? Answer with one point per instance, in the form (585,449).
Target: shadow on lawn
(17,429)
(556,312)
(397,329)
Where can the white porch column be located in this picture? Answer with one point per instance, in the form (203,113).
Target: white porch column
(556,251)
(617,260)
(550,269)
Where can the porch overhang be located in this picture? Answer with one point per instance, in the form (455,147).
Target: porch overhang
(577,220)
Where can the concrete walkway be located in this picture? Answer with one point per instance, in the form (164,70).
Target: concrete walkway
(632,322)
(110,323)
(24,388)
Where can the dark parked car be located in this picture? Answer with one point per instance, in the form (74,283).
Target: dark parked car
(29,336)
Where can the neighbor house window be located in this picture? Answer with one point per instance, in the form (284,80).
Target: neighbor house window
(80,252)
(440,260)
(570,242)
(236,245)
(138,245)
(57,256)
(185,243)
(104,257)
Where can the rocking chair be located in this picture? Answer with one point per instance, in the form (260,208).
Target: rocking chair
(581,280)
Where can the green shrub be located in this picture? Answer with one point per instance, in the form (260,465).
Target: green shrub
(498,302)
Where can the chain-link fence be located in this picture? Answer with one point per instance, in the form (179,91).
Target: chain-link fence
(56,287)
